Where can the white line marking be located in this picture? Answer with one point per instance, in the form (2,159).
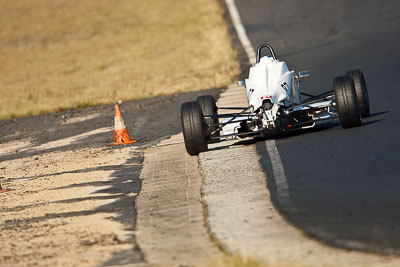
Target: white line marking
(282,186)
(277,167)
(237,23)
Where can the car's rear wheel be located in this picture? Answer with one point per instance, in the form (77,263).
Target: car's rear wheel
(208,106)
(361,91)
(346,102)
(194,130)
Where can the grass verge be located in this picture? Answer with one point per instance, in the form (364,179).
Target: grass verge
(242,261)
(59,54)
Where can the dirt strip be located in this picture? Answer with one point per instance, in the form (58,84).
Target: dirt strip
(70,208)
(242,217)
(170,223)
(71,198)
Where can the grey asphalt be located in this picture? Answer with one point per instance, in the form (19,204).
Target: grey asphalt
(344,184)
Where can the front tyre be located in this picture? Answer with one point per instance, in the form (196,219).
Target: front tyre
(361,91)
(194,130)
(208,106)
(346,102)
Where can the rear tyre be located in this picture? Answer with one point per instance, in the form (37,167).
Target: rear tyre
(194,130)
(361,91)
(208,106)
(346,102)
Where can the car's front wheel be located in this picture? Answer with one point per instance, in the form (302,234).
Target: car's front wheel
(193,127)
(346,102)
(208,106)
(361,91)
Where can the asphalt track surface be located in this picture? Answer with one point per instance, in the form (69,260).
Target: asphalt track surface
(344,185)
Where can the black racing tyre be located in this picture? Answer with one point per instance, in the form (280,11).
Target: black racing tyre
(193,127)
(361,91)
(346,102)
(208,106)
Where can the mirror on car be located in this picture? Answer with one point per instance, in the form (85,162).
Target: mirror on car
(304,73)
(240,83)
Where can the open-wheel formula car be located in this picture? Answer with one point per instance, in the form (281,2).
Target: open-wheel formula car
(274,106)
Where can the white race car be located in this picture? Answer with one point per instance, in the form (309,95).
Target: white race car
(274,106)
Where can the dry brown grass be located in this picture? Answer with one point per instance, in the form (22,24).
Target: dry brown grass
(236,261)
(68,53)
(243,261)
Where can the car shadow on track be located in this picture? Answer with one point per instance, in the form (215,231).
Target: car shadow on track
(379,113)
(335,124)
(254,140)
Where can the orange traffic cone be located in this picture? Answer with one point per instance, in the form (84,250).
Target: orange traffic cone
(121,135)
